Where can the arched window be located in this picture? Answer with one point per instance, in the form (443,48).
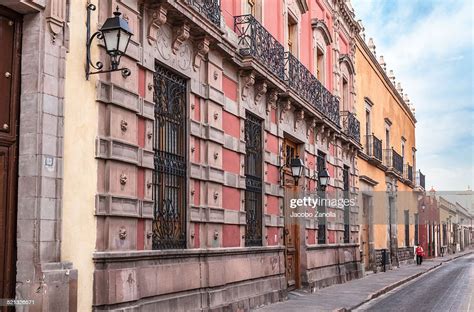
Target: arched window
(322,40)
(347,82)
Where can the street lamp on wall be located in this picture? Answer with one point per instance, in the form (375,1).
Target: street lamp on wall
(116,35)
(323,177)
(297,166)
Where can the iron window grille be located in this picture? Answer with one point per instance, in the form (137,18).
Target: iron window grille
(347,208)
(169,176)
(417,220)
(321,165)
(253,180)
(407,228)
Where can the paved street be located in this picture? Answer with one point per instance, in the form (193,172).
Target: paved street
(448,288)
(453,279)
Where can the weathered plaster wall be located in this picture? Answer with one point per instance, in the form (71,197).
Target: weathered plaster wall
(80,166)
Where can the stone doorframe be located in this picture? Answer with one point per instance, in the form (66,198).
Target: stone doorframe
(41,276)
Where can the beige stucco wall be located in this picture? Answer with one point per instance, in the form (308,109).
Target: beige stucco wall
(372,84)
(80,165)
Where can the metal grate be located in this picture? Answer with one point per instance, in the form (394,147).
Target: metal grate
(321,165)
(347,208)
(253,180)
(169,176)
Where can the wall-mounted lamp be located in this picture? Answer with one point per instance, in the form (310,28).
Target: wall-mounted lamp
(323,177)
(297,166)
(116,35)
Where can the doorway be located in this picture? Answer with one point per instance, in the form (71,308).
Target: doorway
(366,231)
(10,33)
(291,230)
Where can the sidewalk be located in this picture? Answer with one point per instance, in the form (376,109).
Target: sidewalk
(352,294)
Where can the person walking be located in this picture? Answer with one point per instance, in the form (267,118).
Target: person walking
(419,254)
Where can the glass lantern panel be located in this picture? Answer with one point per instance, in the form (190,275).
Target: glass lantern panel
(123,41)
(111,40)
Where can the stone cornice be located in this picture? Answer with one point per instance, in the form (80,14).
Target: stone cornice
(127,256)
(348,16)
(26,6)
(368,180)
(363,45)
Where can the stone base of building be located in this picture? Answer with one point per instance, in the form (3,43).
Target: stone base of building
(238,297)
(382,260)
(54,288)
(189,280)
(332,264)
(406,255)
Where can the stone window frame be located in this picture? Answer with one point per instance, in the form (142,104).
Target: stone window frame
(296,29)
(347,70)
(320,27)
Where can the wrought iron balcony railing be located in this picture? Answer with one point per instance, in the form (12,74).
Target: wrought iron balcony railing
(209,8)
(393,160)
(420,179)
(302,81)
(397,162)
(408,173)
(373,146)
(256,41)
(350,125)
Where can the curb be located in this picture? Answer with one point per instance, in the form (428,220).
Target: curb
(397,284)
(459,256)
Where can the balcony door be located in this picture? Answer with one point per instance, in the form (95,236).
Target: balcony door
(10,27)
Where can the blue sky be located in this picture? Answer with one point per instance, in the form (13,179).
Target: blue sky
(429,46)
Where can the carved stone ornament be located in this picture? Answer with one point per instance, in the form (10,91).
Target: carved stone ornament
(285,107)
(326,135)
(182,34)
(122,233)
(299,116)
(55,16)
(248,80)
(157,18)
(201,52)
(310,124)
(123,179)
(272,98)
(260,90)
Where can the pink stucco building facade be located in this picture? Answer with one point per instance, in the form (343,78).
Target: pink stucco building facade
(174,190)
(260,85)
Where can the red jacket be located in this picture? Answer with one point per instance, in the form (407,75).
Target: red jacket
(419,251)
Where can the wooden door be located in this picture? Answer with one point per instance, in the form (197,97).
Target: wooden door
(365,232)
(10,24)
(291,237)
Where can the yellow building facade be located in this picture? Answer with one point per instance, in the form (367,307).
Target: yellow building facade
(387,162)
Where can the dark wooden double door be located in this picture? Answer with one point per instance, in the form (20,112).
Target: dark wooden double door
(10,33)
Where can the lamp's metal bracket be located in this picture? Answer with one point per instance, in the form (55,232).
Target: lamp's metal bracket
(98,65)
